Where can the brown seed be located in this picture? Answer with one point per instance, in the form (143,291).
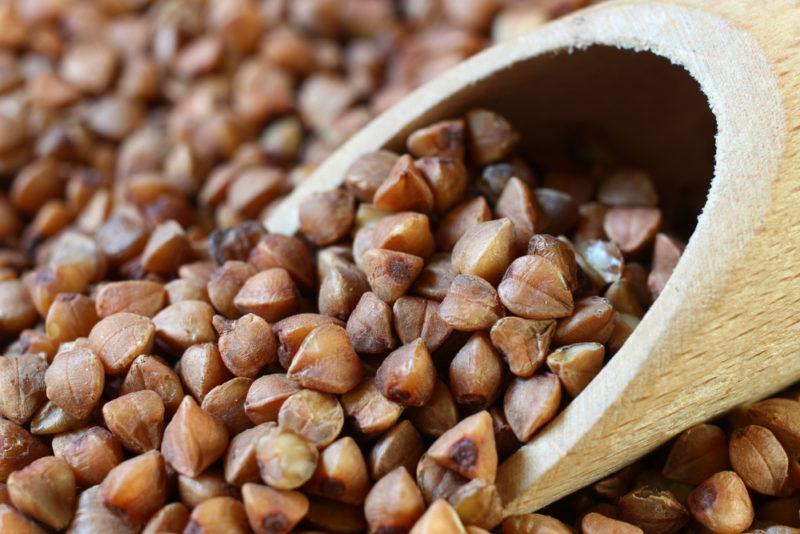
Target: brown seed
(193,439)
(202,369)
(44,285)
(270,294)
(219,515)
(225,283)
(759,459)
(528,523)
(183,324)
(17,311)
(366,174)
(167,248)
(272,511)
(253,189)
(207,485)
(292,331)
(246,345)
(438,415)
(181,289)
(722,504)
(460,219)
(591,216)
(22,386)
(92,515)
(478,503)
(420,318)
(34,341)
(390,273)
(119,338)
(471,304)
(266,395)
(576,365)
(51,419)
(666,253)
(44,490)
(698,453)
(342,283)
(523,343)
(394,503)
(35,184)
(594,523)
(535,288)
(368,410)
(476,373)
(653,510)
(141,297)
(316,416)
(171,519)
(781,416)
(332,516)
(75,381)
(530,403)
(622,296)
(601,261)
(592,320)
(435,481)
(235,243)
(439,517)
(407,376)
(468,448)
(341,473)
(485,250)
(369,327)
(241,464)
(580,187)
(441,139)
(89,66)
(326,361)
(435,278)
(150,372)
(19,448)
(627,188)
(367,215)
(447,178)
(91,453)
(13,521)
(407,232)
(632,229)
(558,253)
(70,316)
(518,204)
(226,403)
(494,177)
(136,419)
(404,189)
(327,217)
(286,460)
(559,213)
(491,137)
(401,446)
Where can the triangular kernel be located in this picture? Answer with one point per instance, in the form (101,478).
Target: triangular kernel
(468,448)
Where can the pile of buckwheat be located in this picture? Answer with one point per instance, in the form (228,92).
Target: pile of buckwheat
(171,367)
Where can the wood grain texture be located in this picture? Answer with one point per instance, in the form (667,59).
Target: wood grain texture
(726,329)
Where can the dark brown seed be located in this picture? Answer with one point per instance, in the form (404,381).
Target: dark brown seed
(402,446)
(558,211)
(698,453)
(435,278)
(366,174)
(438,414)
(519,205)
(369,327)
(653,510)
(19,448)
(415,317)
(171,519)
(435,481)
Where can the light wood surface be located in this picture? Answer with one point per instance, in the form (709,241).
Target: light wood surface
(688,89)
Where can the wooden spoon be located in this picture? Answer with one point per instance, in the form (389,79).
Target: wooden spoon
(688,89)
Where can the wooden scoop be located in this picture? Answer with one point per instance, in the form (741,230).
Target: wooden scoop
(688,89)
